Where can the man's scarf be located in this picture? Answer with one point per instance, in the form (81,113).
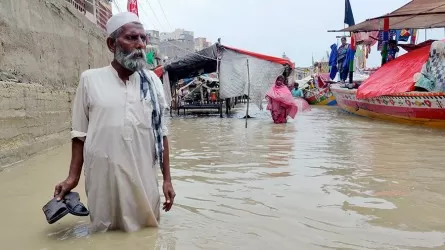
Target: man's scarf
(156,115)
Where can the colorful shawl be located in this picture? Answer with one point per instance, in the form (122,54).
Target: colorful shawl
(156,116)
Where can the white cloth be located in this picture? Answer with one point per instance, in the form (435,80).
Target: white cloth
(167,88)
(120,19)
(120,173)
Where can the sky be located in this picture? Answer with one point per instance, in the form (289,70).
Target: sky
(272,27)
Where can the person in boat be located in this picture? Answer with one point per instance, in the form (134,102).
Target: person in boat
(280,101)
(392,50)
(119,135)
(342,52)
(296,92)
(432,76)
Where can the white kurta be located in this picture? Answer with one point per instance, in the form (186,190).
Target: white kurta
(120,173)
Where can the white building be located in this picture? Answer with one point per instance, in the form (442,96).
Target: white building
(201,43)
(178,34)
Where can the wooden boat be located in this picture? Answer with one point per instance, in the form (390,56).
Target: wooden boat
(378,100)
(422,108)
(316,90)
(320,96)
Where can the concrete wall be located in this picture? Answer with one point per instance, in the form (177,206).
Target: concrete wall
(32,118)
(44,47)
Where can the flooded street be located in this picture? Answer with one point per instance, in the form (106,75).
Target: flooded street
(326,180)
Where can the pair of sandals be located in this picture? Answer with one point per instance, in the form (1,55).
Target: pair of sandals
(55,210)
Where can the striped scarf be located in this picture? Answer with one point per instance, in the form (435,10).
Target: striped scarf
(156,116)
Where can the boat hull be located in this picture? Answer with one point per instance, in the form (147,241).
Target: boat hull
(422,108)
(320,97)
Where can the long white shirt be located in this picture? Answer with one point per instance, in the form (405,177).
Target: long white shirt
(119,151)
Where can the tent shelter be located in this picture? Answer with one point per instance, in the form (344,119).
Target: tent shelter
(231,64)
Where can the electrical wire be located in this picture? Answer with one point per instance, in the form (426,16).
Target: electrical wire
(163,13)
(154,13)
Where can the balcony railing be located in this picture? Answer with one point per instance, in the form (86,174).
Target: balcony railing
(96,9)
(78,4)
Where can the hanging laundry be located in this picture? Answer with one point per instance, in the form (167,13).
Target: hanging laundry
(366,37)
(413,36)
(403,35)
(392,34)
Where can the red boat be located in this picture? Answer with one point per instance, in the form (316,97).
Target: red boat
(423,108)
(389,93)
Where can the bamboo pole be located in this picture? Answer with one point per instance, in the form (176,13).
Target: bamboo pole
(248,91)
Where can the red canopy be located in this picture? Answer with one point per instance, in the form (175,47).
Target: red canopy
(396,76)
(282,61)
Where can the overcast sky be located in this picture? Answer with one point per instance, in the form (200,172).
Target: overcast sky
(296,27)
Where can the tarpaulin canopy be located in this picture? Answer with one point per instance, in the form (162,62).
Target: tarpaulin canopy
(237,68)
(395,76)
(417,14)
(194,64)
(204,61)
(279,60)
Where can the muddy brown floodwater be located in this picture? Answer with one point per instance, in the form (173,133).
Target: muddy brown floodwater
(326,180)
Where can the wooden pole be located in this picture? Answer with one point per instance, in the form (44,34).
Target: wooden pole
(248,91)
(219,82)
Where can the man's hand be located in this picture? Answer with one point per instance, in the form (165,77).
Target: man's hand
(64,187)
(169,194)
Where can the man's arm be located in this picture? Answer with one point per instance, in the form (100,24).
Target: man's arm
(167,187)
(76,160)
(166,161)
(79,130)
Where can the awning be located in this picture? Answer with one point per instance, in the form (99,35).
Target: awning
(282,61)
(417,14)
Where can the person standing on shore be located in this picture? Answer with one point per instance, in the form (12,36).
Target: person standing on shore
(119,135)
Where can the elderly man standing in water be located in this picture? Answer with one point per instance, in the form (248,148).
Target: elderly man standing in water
(119,135)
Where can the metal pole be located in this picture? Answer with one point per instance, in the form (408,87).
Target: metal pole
(248,91)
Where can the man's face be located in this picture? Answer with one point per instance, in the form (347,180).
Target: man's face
(130,47)
(343,41)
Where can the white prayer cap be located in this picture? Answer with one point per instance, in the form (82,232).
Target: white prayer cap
(119,20)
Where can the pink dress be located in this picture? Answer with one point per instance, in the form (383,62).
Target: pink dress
(281,103)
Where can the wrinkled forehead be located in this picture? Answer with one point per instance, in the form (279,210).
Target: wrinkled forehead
(133,28)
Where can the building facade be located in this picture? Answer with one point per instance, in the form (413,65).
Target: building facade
(178,34)
(176,44)
(97,11)
(153,37)
(201,43)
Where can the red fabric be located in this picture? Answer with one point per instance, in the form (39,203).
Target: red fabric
(159,71)
(132,6)
(352,42)
(279,60)
(386,24)
(395,76)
